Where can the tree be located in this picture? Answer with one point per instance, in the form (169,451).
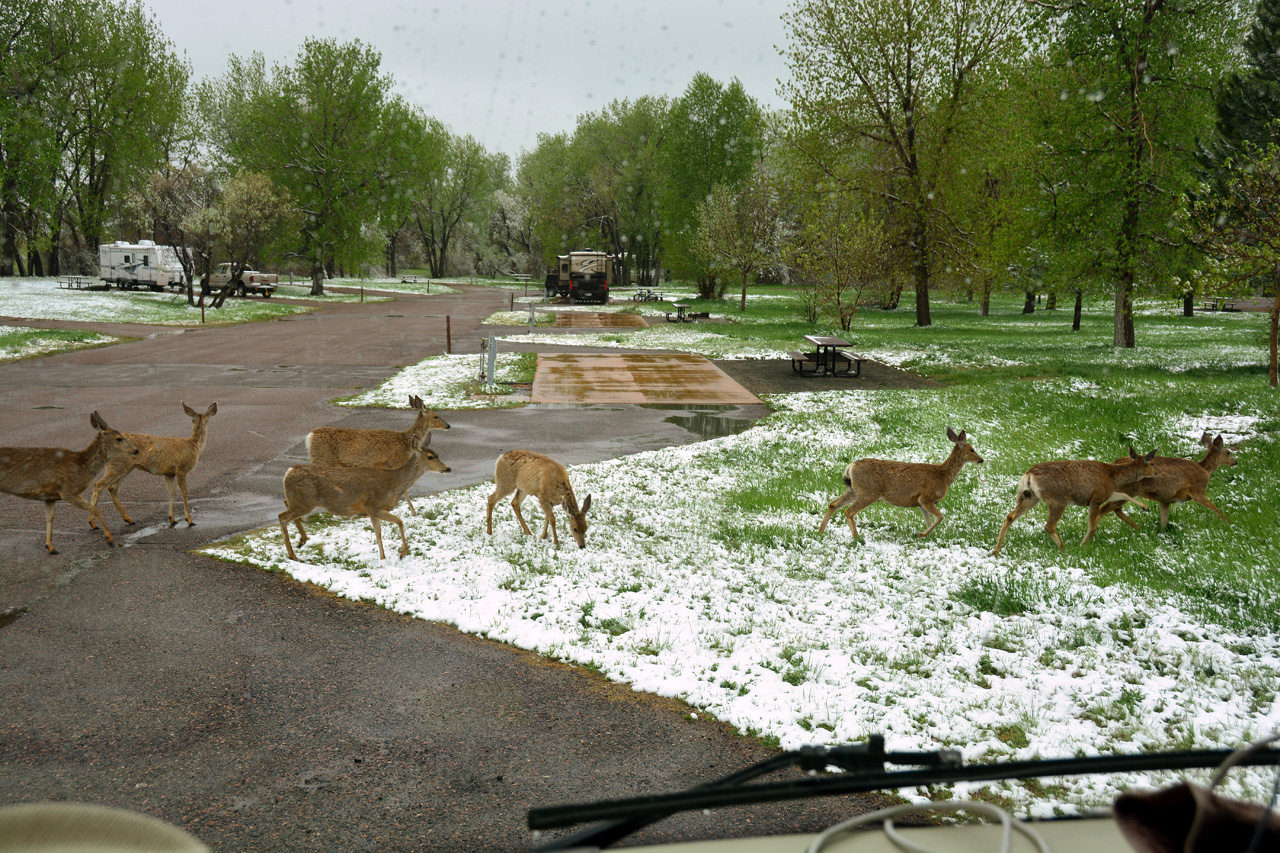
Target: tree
(255,216)
(1238,226)
(1128,88)
(841,248)
(120,97)
(890,84)
(322,130)
(168,205)
(712,136)
(456,195)
(738,229)
(1247,104)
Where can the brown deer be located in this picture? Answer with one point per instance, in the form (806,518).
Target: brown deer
(372,448)
(527,473)
(1177,480)
(1078,482)
(53,474)
(171,458)
(366,491)
(908,484)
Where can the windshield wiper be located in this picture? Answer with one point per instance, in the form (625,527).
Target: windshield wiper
(864,766)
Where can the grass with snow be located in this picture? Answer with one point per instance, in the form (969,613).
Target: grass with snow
(42,299)
(704,577)
(18,342)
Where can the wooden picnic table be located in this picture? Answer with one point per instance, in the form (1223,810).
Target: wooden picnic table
(82,282)
(828,358)
(647,295)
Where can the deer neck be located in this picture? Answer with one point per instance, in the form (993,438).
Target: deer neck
(199,433)
(1212,461)
(954,463)
(97,453)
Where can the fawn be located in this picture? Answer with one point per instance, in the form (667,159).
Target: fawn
(366,491)
(372,448)
(53,474)
(1177,480)
(908,484)
(171,458)
(527,473)
(1079,482)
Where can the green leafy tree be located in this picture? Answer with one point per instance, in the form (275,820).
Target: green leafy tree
(321,129)
(890,85)
(738,229)
(118,101)
(713,136)
(1129,85)
(1238,228)
(456,197)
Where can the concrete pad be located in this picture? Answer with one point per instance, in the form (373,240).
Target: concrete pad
(634,378)
(599,320)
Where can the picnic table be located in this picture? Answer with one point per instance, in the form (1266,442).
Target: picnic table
(81,282)
(680,316)
(1215,303)
(409,279)
(828,358)
(647,295)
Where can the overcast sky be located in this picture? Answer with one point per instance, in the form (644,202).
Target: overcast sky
(504,71)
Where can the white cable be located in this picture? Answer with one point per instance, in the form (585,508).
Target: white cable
(1008,824)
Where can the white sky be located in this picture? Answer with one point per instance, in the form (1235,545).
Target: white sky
(504,71)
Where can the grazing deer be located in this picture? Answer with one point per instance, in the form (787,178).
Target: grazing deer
(53,474)
(1177,480)
(171,458)
(917,484)
(527,473)
(372,448)
(363,491)
(1078,482)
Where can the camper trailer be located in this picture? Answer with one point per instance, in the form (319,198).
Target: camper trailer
(130,266)
(584,276)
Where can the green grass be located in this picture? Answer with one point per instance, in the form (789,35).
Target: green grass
(17,343)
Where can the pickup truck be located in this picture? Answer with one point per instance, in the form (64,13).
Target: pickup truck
(251,281)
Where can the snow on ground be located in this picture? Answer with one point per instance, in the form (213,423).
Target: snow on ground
(443,382)
(42,346)
(42,299)
(815,639)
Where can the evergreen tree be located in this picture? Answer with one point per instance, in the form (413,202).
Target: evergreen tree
(1248,103)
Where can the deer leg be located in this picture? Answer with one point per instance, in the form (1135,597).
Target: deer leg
(285,517)
(110,480)
(1125,518)
(515,504)
(927,509)
(409,501)
(1026,500)
(1203,501)
(1051,526)
(181,477)
(76,500)
(497,495)
(48,526)
(169,486)
(549,519)
(832,508)
(377,532)
(383,515)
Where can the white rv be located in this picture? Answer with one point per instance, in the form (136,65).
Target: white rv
(142,264)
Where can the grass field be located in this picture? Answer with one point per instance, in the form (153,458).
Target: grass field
(705,578)
(17,342)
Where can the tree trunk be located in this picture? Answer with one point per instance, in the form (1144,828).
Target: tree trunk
(1275,325)
(1029,305)
(1051,304)
(920,267)
(1189,304)
(742,306)
(1075,321)
(1123,333)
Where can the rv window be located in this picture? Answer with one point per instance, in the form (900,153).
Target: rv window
(146,260)
(126,259)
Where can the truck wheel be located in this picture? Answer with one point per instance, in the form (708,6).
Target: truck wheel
(240,291)
(266,294)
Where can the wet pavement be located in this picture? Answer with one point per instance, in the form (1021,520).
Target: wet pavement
(622,377)
(263,714)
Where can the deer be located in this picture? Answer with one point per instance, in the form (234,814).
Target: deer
(53,474)
(1177,480)
(1079,482)
(527,473)
(347,491)
(373,448)
(906,484)
(171,458)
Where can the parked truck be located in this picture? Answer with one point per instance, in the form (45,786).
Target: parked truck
(130,266)
(251,281)
(584,276)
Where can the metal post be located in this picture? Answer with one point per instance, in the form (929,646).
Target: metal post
(531,307)
(448,336)
(492,362)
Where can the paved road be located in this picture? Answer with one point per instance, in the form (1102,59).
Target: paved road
(261,714)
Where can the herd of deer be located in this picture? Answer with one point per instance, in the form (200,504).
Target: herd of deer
(366,472)
(352,472)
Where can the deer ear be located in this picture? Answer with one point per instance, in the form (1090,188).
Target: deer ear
(951,435)
(191,413)
(98,422)
(1133,454)
(586,505)
(1150,457)
(1217,442)
(1205,438)
(213,410)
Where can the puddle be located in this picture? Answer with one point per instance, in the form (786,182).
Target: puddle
(708,421)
